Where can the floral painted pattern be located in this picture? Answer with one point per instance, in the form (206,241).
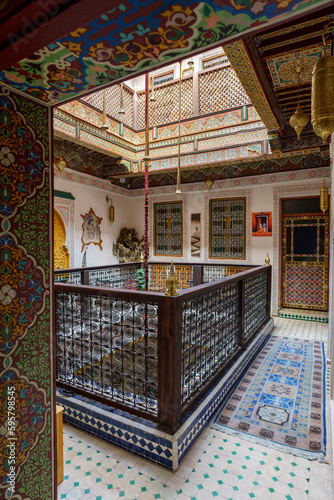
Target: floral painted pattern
(26,361)
(135,36)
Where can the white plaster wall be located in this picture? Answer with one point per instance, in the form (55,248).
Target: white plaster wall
(129,212)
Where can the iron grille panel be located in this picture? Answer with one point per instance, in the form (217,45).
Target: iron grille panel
(108,347)
(255,302)
(210,336)
(73,277)
(115,277)
(158,274)
(227,228)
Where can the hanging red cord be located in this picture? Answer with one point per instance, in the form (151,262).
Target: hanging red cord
(146,160)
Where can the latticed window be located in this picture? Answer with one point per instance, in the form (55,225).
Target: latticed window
(228,228)
(220,89)
(168,229)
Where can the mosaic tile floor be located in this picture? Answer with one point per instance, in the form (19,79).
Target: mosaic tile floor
(218,467)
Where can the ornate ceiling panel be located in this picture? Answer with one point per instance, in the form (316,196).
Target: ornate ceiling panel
(134,36)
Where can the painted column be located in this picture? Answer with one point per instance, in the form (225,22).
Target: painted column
(26,348)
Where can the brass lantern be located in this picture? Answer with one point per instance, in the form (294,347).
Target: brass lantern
(322,95)
(299,119)
(209,183)
(60,163)
(324,198)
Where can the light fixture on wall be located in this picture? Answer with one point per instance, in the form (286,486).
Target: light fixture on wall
(324,198)
(121,109)
(299,119)
(209,183)
(104,125)
(322,94)
(60,163)
(190,63)
(111,210)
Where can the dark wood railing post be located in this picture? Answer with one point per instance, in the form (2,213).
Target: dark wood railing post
(241,340)
(170,357)
(268,308)
(85,277)
(197,275)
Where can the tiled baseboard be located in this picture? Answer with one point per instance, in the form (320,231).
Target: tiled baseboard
(302,315)
(147,439)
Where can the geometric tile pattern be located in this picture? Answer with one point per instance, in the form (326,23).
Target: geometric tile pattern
(219,466)
(318,316)
(304,285)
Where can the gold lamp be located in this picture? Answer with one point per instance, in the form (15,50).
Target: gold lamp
(209,183)
(299,119)
(60,163)
(322,94)
(324,198)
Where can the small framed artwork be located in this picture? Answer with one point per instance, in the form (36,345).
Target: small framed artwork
(91,231)
(195,235)
(262,224)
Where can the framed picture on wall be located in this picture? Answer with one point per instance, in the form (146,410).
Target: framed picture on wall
(91,231)
(262,224)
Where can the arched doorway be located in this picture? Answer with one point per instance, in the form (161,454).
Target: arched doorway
(61,253)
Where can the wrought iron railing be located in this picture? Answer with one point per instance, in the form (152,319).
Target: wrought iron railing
(124,276)
(151,354)
(107,345)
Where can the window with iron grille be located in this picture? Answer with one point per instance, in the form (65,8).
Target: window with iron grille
(228,228)
(168,229)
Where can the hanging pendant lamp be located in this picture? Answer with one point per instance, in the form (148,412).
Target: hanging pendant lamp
(104,125)
(324,198)
(322,94)
(299,119)
(121,109)
(60,163)
(178,178)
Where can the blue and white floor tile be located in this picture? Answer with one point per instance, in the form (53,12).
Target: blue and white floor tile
(218,467)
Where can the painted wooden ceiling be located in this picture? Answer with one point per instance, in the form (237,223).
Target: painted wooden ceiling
(78,46)
(267,63)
